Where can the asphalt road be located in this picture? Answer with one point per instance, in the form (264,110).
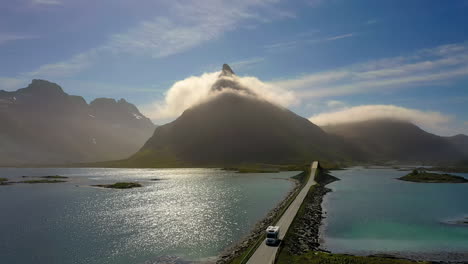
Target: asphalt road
(267,254)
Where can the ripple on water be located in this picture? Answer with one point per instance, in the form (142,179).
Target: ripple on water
(189,215)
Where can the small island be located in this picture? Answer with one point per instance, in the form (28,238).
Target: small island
(47,177)
(421,175)
(3,181)
(41,181)
(120,185)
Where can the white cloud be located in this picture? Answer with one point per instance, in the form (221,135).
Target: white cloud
(339,37)
(431,121)
(246,63)
(65,68)
(187,25)
(335,104)
(281,46)
(424,67)
(290,44)
(180,96)
(47,2)
(7,37)
(196,89)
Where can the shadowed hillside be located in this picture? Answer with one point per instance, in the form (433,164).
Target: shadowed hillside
(387,139)
(41,124)
(236,127)
(460,142)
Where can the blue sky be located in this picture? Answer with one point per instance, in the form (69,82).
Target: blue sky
(332,55)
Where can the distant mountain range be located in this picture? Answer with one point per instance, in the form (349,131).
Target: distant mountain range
(393,140)
(41,124)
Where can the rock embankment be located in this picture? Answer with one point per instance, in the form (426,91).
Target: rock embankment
(303,235)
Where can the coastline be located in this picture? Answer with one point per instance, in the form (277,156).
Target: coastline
(416,257)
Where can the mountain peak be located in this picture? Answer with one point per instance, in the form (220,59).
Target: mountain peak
(44,88)
(229,83)
(226,71)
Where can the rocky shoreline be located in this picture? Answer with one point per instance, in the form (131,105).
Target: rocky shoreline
(304,232)
(239,248)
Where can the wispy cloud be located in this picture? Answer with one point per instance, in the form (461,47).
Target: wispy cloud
(281,45)
(65,68)
(424,67)
(7,37)
(432,121)
(339,37)
(335,104)
(47,2)
(189,24)
(246,63)
(302,40)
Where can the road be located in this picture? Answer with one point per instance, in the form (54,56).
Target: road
(266,254)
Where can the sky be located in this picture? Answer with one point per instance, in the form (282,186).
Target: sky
(332,61)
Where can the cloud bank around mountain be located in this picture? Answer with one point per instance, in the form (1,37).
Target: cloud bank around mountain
(197,89)
(432,121)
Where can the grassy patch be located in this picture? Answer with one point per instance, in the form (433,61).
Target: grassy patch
(120,185)
(42,181)
(428,177)
(315,257)
(4,181)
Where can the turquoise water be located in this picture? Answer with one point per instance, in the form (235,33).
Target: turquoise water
(189,214)
(369,211)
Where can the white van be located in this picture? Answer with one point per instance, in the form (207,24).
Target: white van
(272,236)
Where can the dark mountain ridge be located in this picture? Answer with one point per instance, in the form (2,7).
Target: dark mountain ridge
(460,142)
(41,124)
(387,139)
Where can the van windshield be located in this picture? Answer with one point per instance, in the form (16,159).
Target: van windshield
(271,235)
